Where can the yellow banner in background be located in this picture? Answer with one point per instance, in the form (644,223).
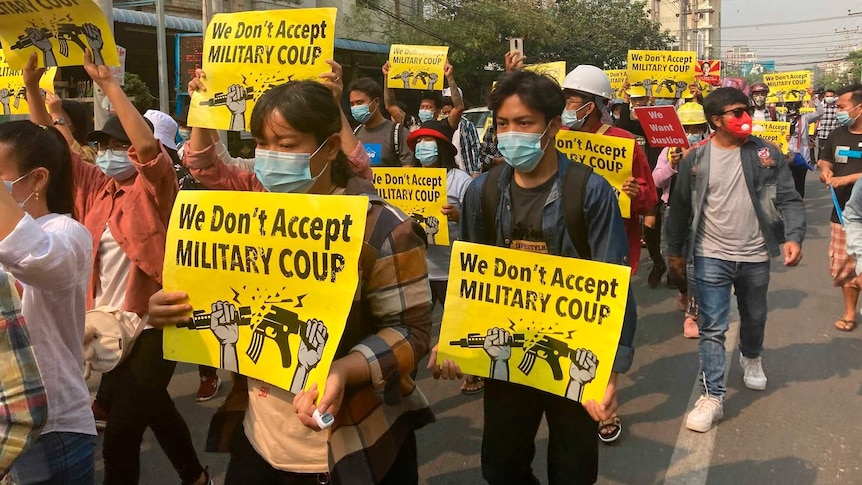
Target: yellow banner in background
(609,156)
(248,53)
(271,278)
(618,80)
(417,66)
(58,30)
(420,193)
(13,97)
(782,127)
(554,70)
(548,322)
(664,74)
(788,86)
(812,127)
(776,138)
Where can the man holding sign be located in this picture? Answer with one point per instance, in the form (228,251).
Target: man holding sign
(520,205)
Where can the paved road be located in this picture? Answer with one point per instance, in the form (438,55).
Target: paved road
(805,428)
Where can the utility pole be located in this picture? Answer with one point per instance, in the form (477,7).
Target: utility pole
(683,11)
(164,93)
(100,114)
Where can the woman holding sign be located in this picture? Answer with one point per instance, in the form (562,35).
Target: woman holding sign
(369,391)
(125,201)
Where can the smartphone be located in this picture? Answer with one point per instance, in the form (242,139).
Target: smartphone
(516,44)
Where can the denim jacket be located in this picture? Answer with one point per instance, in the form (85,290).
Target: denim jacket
(607,235)
(779,208)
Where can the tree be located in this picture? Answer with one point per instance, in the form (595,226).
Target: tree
(598,32)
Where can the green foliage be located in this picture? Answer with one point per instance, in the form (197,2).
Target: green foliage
(598,32)
(138,91)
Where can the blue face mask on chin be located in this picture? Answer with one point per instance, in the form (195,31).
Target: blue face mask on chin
(522,151)
(285,172)
(426,153)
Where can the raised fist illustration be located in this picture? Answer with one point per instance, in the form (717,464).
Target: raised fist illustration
(309,355)
(94,39)
(584,365)
(224,322)
(497,344)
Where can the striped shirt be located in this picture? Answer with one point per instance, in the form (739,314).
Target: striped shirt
(23,402)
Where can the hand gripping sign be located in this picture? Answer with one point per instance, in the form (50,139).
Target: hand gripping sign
(609,156)
(271,278)
(248,53)
(58,30)
(548,322)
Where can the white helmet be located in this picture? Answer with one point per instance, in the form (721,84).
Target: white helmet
(589,79)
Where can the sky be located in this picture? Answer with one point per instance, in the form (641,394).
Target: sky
(802,39)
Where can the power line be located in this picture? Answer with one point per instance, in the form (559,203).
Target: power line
(782,24)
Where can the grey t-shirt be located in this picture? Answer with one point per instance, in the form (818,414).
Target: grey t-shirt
(381,147)
(730,229)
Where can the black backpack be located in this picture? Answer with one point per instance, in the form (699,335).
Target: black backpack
(573,190)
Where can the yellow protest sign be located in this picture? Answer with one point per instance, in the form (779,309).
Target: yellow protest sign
(663,74)
(609,156)
(420,193)
(417,66)
(547,322)
(13,97)
(248,53)
(776,138)
(58,30)
(782,127)
(788,86)
(271,278)
(554,70)
(618,79)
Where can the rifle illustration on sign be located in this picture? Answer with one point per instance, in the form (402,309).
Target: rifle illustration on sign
(498,344)
(277,325)
(64,33)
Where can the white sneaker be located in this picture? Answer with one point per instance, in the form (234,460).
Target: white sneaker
(707,411)
(753,373)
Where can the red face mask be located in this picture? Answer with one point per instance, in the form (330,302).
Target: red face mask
(739,127)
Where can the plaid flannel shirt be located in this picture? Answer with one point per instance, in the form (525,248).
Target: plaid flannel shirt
(470,146)
(389,324)
(828,122)
(23,402)
(488,151)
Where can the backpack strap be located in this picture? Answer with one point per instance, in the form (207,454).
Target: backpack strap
(602,129)
(574,193)
(356,130)
(396,139)
(490,199)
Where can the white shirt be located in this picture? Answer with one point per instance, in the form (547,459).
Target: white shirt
(52,258)
(114,270)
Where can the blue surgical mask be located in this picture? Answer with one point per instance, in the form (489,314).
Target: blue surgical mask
(426,152)
(830,99)
(9,185)
(426,115)
(361,113)
(694,138)
(570,118)
(522,151)
(185,133)
(844,119)
(115,164)
(285,172)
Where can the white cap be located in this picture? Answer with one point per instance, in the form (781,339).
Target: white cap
(164,128)
(448,92)
(589,79)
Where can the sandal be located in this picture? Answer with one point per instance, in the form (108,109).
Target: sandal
(472,385)
(610,429)
(845,325)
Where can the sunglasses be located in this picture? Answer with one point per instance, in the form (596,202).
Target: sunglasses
(738,112)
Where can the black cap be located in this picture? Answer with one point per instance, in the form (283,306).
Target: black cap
(112,129)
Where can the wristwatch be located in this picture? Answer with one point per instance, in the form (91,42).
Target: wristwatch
(60,121)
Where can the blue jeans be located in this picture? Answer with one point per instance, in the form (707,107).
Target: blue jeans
(57,458)
(713,280)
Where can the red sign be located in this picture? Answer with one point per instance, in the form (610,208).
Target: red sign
(708,71)
(661,126)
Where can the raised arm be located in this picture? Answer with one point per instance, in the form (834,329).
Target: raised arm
(32,76)
(350,145)
(389,100)
(457,101)
(146,145)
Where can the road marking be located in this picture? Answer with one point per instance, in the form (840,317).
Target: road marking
(692,453)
